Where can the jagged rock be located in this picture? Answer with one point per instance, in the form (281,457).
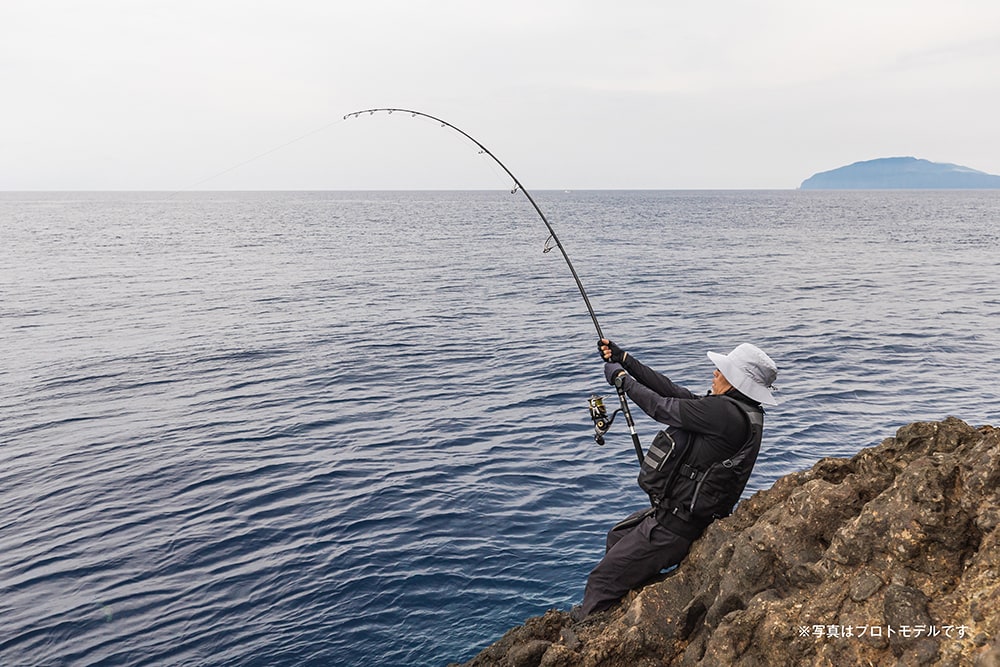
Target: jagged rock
(891,557)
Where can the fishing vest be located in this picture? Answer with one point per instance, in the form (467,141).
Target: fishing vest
(688,489)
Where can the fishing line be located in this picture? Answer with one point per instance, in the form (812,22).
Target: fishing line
(598,413)
(259,156)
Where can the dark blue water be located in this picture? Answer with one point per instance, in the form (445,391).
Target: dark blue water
(351,428)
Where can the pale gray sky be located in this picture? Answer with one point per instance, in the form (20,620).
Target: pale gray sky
(142,94)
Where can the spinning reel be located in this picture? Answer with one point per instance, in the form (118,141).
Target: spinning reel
(599,413)
(602,422)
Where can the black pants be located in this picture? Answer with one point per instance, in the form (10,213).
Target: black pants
(638,548)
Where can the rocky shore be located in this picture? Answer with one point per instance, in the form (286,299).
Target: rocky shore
(891,557)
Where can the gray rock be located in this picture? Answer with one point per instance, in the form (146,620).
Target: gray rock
(891,557)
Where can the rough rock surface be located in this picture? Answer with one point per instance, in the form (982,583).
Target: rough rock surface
(891,557)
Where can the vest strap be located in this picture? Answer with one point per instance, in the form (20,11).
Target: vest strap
(692,473)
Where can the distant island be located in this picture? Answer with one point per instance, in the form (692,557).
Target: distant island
(901,173)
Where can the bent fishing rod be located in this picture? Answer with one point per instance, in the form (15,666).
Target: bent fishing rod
(602,422)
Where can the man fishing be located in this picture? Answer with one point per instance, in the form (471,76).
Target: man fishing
(694,471)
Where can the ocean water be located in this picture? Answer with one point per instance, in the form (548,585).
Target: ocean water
(351,428)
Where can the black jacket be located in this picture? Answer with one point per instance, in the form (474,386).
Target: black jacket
(696,469)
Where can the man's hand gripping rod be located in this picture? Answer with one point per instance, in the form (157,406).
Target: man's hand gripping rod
(599,413)
(619,381)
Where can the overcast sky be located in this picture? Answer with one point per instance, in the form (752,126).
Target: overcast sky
(243,94)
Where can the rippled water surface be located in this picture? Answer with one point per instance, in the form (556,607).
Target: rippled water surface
(351,428)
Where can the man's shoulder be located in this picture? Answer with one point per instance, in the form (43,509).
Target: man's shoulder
(712,407)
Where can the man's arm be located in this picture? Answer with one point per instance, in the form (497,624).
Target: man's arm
(718,419)
(654,380)
(664,409)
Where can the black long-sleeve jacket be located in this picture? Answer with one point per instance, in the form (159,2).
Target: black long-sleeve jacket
(696,469)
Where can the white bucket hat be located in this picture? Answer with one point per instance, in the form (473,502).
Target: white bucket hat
(749,370)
